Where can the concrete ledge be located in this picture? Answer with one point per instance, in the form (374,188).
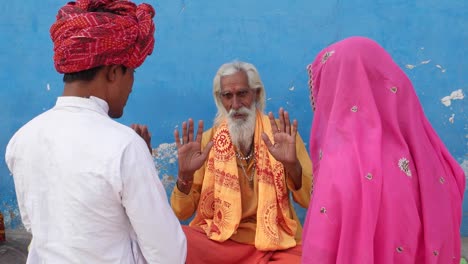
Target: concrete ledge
(15,249)
(464,252)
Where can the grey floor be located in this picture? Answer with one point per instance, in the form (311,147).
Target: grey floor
(14,250)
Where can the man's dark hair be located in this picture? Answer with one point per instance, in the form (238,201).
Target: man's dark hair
(86,75)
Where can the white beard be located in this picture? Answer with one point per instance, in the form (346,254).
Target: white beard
(242,131)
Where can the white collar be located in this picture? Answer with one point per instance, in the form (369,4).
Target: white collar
(92,103)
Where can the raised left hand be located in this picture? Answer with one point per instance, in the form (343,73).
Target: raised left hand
(283,148)
(144,133)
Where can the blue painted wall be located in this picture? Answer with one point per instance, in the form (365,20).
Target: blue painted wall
(427,38)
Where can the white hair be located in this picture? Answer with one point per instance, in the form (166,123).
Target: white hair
(254,80)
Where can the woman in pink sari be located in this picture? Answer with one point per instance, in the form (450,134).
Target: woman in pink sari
(386,189)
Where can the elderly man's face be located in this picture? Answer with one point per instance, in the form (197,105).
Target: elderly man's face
(236,94)
(239,100)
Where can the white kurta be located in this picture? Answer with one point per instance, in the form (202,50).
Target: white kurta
(88,190)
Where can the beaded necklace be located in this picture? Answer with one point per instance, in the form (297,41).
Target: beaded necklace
(247,158)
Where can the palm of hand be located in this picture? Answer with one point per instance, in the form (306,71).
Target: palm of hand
(190,157)
(284,148)
(284,137)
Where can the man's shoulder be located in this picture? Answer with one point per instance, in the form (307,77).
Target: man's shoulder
(209,131)
(101,128)
(118,135)
(122,129)
(32,124)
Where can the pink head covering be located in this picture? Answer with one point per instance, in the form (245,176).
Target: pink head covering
(386,189)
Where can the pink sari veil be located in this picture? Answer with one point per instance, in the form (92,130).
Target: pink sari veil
(386,188)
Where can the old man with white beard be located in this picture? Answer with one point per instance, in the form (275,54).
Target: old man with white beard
(237,177)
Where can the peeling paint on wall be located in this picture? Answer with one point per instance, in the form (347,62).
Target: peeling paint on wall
(452,118)
(165,160)
(455,95)
(424,62)
(464,166)
(412,66)
(11,215)
(440,67)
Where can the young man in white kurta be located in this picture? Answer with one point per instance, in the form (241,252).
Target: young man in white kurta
(88,189)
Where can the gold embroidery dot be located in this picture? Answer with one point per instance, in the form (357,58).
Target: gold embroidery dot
(326,56)
(323,210)
(399,249)
(436,253)
(369,176)
(354,109)
(403,163)
(442,180)
(394,89)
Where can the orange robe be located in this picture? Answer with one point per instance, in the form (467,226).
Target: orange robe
(186,205)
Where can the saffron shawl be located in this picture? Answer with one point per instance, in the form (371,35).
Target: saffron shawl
(386,188)
(219,210)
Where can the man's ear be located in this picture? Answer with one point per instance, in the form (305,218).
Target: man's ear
(111,72)
(257,95)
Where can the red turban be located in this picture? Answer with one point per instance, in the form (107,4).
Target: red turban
(91,33)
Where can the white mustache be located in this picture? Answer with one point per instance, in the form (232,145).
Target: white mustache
(241,111)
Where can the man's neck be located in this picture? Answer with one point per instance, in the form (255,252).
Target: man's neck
(83,89)
(78,89)
(246,150)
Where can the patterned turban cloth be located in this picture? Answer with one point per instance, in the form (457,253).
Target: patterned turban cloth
(92,33)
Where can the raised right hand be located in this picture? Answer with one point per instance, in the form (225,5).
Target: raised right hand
(190,155)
